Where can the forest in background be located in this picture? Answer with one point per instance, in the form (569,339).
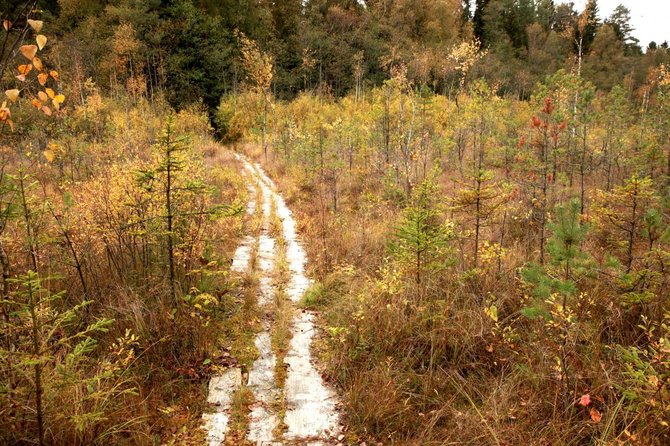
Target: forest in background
(188,49)
(483,189)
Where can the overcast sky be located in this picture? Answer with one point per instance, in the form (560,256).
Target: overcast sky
(650,18)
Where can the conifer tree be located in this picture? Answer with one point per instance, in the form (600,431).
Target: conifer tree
(556,284)
(420,237)
(620,213)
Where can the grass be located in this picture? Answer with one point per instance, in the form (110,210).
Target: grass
(241,402)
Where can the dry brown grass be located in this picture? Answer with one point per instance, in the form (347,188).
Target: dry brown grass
(428,366)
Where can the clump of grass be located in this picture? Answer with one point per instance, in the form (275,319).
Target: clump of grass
(314,297)
(240,328)
(321,294)
(275,225)
(283,318)
(281,336)
(241,402)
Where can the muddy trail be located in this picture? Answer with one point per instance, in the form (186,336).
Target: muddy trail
(292,405)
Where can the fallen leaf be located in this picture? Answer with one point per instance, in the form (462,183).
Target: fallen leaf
(585,400)
(46,110)
(54,74)
(43,78)
(596,416)
(49,155)
(36,103)
(43,96)
(7,25)
(51,93)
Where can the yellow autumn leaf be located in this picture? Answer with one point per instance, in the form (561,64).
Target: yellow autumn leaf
(36,25)
(43,96)
(42,78)
(37,62)
(7,25)
(36,103)
(28,51)
(51,93)
(49,155)
(54,74)
(56,104)
(13,95)
(41,41)
(60,98)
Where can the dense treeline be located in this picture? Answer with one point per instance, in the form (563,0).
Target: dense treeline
(189,49)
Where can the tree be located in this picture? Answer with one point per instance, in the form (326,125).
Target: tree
(620,23)
(420,238)
(582,30)
(478,19)
(480,202)
(621,212)
(43,332)
(539,175)
(556,284)
(604,64)
(258,66)
(195,54)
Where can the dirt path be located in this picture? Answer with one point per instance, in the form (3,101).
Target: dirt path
(302,411)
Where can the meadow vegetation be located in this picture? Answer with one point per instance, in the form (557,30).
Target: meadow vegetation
(483,189)
(490,270)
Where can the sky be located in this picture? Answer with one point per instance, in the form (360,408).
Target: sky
(650,18)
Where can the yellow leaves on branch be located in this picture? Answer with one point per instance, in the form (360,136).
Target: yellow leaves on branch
(44,97)
(464,56)
(257,64)
(47,100)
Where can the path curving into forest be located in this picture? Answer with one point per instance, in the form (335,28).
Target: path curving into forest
(305,410)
